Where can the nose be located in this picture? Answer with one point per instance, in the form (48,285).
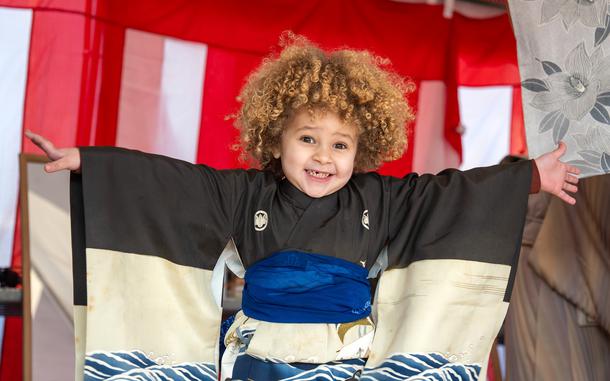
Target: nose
(322,155)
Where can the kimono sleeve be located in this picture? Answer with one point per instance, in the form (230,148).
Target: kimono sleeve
(453,247)
(467,215)
(147,231)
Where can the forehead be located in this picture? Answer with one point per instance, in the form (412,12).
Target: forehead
(321,121)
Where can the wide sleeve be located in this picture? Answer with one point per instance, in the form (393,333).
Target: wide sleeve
(453,244)
(151,204)
(147,232)
(472,215)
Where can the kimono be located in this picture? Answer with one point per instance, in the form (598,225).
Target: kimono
(562,286)
(152,236)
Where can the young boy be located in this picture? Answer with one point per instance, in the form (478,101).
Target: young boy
(310,227)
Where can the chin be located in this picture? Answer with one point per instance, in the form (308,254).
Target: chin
(316,192)
(320,187)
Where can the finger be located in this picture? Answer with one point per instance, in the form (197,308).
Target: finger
(570,188)
(571,179)
(572,169)
(567,198)
(35,138)
(561,149)
(57,165)
(45,145)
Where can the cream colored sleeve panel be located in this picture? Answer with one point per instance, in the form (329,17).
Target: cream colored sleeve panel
(452,307)
(80,329)
(140,302)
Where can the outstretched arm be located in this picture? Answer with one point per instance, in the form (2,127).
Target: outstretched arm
(557,178)
(61,158)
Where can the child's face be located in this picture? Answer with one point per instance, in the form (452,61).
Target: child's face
(318,153)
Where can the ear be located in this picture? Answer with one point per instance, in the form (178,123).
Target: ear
(276,152)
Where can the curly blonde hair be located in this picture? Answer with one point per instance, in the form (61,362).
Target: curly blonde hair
(350,83)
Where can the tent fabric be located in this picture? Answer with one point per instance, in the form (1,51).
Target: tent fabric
(79,51)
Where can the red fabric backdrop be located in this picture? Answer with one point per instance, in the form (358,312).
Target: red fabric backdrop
(76,55)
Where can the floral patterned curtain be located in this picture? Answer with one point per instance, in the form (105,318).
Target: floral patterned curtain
(564,60)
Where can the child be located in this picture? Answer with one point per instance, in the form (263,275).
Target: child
(311,227)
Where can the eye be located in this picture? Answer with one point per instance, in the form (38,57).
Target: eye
(307,139)
(340,146)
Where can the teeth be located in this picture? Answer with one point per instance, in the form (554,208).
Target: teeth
(320,175)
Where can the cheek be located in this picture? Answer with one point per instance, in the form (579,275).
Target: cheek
(293,156)
(292,162)
(347,166)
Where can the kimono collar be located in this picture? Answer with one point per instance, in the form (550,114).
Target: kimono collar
(302,200)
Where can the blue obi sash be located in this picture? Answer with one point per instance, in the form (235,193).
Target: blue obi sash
(297,287)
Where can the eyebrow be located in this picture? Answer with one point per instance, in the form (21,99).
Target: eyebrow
(347,136)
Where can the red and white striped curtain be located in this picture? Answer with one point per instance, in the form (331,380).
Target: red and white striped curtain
(162,76)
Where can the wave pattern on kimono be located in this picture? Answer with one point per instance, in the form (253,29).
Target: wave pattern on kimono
(136,365)
(429,366)
(151,237)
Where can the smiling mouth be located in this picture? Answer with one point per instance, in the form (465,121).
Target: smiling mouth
(317,174)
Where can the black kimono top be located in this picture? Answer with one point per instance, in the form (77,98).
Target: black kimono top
(195,210)
(183,215)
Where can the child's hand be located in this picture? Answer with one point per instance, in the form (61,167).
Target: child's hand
(556,177)
(61,158)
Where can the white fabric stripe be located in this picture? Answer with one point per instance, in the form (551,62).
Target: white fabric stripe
(485,113)
(182,92)
(15,28)
(431,151)
(15,25)
(161,95)
(139,93)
